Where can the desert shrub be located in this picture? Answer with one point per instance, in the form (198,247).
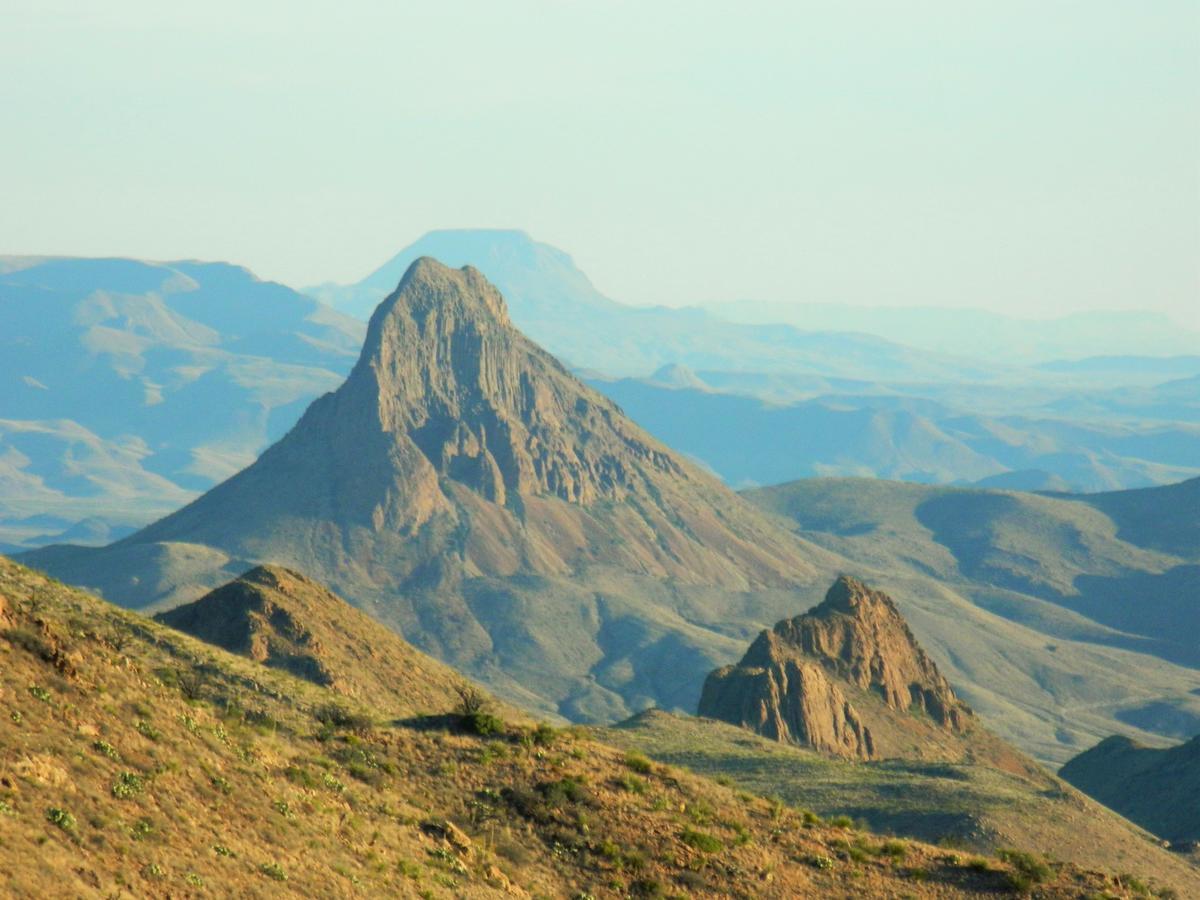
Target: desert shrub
(540,803)
(818,861)
(1028,870)
(639,763)
(39,693)
(699,840)
(470,699)
(482,723)
(631,783)
(409,869)
(190,683)
(61,818)
(127,785)
(274,871)
(647,887)
(336,716)
(31,642)
(842,822)
(104,748)
(893,848)
(544,735)
(147,730)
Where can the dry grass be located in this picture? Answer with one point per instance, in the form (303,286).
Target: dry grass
(119,777)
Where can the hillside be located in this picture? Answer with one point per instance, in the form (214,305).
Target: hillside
(140,761)
(283,620)
(1153,786)
(463,488)
(976,808)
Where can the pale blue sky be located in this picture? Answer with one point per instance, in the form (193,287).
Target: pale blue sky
(1030,156)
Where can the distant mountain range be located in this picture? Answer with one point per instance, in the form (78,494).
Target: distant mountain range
(556,305)
(989,336)
(465,488)
(888,435)
(129,387)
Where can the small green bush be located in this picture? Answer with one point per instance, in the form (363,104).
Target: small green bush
(39,693)
(274,871)
(62,818)
(1028,870)
(638,763)
(699,840)
(127,785)
(104,748)
(482,723)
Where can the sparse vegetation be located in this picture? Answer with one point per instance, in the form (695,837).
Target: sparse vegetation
(556,815)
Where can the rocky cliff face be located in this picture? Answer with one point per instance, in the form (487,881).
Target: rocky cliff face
(843,678)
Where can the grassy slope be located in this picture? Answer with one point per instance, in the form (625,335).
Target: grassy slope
(971,806)
(137,761)
(1013,595)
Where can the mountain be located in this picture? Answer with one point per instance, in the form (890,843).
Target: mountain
(283,620)
(872,430)
(553,302)
(127,386)
(1156,787)
(973,807)
(139,760)
(462,487)
(847,678)
(1093,595)
(1135,336)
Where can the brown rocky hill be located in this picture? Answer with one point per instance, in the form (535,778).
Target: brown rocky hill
(465,489)
(848,678)
(281,619)
(138,761)
(1157,787)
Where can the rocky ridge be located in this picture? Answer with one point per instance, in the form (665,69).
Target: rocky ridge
(841,678)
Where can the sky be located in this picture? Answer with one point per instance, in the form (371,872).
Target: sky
(1036,158)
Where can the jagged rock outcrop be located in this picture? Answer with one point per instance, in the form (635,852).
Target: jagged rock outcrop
(841,678)
(467,490)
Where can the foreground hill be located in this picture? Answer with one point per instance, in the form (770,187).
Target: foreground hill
(974,807)
(1156,787)
(465,489)
(128,385)
(138,761)
(283,620)
(1094,594)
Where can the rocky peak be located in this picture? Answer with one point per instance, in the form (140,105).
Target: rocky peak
(823,678)
(444,366)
